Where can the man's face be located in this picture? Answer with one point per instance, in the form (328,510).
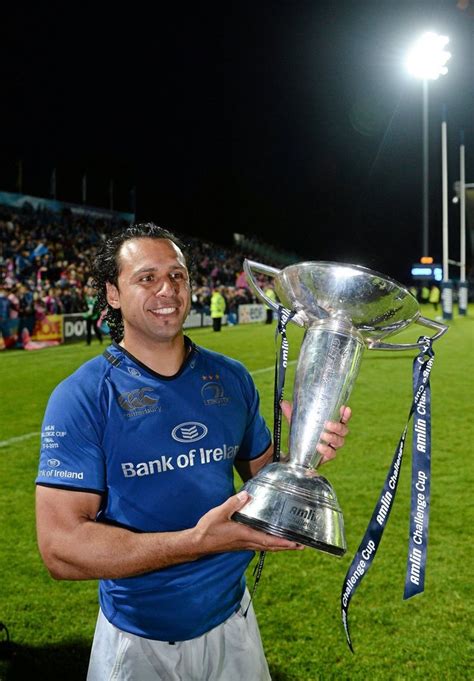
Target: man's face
(153,292)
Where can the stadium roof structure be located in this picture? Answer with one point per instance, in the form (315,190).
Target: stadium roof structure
(20,201)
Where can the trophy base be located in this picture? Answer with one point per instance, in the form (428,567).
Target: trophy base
(295,503)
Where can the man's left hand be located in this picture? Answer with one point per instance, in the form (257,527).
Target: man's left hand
(334,434)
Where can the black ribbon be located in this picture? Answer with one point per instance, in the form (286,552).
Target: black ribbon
(420,500)
(281,363)
(420,482)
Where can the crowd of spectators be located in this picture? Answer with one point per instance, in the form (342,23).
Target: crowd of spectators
(45,264)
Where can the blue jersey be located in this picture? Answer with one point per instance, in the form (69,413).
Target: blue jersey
(160,450)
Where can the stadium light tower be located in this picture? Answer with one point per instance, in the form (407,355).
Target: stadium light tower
(427,61)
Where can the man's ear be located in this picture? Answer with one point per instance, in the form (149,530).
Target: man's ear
(113,297)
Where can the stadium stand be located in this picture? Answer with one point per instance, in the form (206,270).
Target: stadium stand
(45,261)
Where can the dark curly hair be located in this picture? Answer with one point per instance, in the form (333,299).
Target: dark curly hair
(105,267)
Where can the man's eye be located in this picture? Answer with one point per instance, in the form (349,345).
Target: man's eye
(177,275)
(147,277)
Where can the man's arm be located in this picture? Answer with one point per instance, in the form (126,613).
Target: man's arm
(74,546)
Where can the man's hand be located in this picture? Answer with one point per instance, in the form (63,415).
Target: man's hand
(334,434)
(216,532)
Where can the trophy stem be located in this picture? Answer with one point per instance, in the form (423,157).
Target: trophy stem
(327,368)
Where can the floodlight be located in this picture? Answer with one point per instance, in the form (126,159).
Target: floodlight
(427,59)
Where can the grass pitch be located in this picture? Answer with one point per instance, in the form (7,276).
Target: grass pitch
(430,637)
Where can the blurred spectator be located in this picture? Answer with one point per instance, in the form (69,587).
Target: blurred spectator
(270,293)
(27,310)
(39,306)
(4,305)
(53,302)
(242,296)
(241,280)
(92,314)
(4,317)
(14,303)
(201,298)
(424,294)
(232,308)
(435,295)
(71,299)
(218,306)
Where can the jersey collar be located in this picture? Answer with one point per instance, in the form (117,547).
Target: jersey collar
(115,360)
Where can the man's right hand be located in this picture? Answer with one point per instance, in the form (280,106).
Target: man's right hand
(216,532)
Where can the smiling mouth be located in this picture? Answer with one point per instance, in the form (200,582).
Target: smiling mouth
(163,311)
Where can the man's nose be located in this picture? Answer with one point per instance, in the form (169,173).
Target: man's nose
(166,287)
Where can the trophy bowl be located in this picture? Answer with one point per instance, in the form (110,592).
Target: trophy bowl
(344,309)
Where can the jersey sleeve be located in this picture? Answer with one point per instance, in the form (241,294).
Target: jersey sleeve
(71,455)
(257,437)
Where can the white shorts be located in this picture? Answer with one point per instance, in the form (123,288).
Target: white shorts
(232,651)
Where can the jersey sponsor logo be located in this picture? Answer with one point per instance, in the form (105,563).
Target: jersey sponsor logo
(190,459)
(53,463)
(55,473)
(138,402)
(190,431)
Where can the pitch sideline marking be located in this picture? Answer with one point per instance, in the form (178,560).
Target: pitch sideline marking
(27,436)
(18,438)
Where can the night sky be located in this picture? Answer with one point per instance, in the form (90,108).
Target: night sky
(292,121)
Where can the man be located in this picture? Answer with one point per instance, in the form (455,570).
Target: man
(218,305)
(425,293)
(135,486)
(270,293)
(92,314)
(435,296)
(5,307)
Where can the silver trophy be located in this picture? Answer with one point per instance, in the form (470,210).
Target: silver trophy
(344,309)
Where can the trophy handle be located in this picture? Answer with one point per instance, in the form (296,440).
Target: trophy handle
(250,265)
(423,321)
